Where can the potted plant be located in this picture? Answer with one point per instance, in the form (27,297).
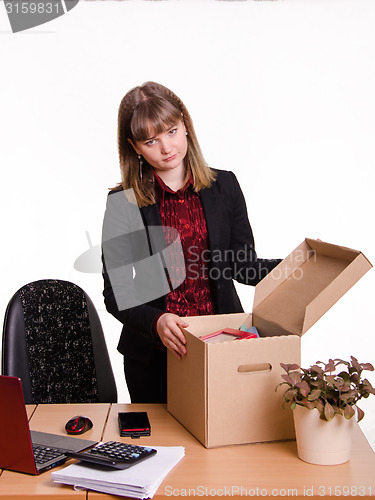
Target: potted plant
(324,399)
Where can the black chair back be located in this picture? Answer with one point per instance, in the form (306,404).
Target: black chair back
(54,342)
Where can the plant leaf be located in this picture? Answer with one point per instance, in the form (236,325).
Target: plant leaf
(349,412)
(354,377)
(314,395)
(355,364)
(289,367)
(345,376)
(319,406)
(295,378)
(329,412)
(293,366)
(345,387)
(289,395)
(304,388)
(360,414)
(330,366)
(307,404)
(284,366)
(316,369)
(287,379)
(368,387)
(368,366)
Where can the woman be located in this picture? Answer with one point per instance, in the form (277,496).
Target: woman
(151,283)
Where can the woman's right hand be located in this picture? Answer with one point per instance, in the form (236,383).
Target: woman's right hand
(169,331)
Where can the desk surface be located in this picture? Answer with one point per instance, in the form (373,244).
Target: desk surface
(255,470)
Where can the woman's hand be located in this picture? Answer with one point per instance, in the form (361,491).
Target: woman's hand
(168,329)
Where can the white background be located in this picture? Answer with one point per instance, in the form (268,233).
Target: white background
(281,92)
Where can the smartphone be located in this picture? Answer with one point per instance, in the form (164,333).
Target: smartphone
(134,424)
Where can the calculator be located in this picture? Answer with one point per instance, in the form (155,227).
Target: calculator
(114,454)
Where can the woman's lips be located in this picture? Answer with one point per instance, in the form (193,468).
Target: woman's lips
(170,158)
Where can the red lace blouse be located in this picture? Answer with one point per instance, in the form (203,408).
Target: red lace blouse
(183,211)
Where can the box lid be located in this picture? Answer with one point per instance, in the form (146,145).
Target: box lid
(304,286)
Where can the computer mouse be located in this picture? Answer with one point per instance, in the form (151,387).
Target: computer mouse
(78,425)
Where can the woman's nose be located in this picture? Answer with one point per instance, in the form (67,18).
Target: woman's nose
(165,146)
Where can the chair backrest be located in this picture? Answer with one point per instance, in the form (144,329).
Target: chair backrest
(54,342)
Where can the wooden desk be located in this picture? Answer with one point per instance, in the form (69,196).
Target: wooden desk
(259,470)
(51,418)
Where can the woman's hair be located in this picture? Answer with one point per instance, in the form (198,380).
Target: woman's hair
(146,111)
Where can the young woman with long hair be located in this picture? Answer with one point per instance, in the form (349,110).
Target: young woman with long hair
(152,282)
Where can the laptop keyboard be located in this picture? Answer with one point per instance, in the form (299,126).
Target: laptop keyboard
(43,454)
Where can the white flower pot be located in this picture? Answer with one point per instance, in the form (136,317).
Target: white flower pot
(321,442)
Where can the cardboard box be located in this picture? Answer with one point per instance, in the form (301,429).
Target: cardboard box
(224,393)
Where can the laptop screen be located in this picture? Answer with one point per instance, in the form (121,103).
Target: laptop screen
(16,440)
(16,452)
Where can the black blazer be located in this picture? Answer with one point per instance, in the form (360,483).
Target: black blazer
(233,256)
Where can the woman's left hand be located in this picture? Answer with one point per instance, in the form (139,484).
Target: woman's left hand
(169,331)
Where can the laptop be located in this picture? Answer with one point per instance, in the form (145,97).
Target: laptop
(17,442)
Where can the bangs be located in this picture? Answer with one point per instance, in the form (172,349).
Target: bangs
(152,117)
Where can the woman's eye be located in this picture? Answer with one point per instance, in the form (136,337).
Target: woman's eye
(173,131)
(150,142)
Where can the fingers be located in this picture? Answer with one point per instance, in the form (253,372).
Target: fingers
(174,339)
(169,331)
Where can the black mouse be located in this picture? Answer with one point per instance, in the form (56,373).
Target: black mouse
(78,425)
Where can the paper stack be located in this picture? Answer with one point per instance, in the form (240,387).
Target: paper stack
(140,481)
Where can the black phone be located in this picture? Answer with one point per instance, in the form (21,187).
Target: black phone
(134,424)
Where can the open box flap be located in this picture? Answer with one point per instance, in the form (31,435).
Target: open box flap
(281,273)
(333,292)
(304,286)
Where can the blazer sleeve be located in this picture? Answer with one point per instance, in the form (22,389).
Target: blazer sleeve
(127,293)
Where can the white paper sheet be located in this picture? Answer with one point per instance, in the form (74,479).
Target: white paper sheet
(139,481)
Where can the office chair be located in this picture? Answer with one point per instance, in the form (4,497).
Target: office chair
(54,342)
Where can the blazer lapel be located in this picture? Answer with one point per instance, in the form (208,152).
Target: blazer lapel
(210,208)
(152,222)
(150,215)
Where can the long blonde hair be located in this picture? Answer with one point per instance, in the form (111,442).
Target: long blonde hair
(145,111)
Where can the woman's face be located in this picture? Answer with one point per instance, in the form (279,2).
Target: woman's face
(165,151)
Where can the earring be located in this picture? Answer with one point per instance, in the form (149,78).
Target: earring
(140,166)
(186,133)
